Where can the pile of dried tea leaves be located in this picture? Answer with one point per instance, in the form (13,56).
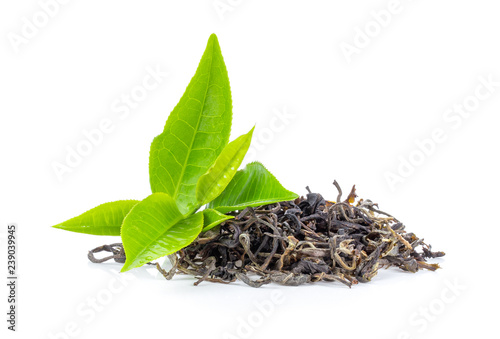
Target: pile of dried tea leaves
(296,242)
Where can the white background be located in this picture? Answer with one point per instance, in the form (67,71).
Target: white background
(353,119)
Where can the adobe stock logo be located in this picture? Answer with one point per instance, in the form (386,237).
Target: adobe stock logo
(93,306)
(365,34)
(123,107)
(265,135)
(453,119)
(32,25)
(263,310)
(421,320)
(222,7)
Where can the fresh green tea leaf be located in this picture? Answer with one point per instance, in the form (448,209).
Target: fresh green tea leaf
(212,183)
(190,164)
(212,218)
(154,228)
(252,186)
(105,219)
(196,132)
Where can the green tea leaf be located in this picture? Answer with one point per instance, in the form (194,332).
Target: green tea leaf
(212,218)
(252,186)
(195,133)
(212,183)
(154,228)
(105,219)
